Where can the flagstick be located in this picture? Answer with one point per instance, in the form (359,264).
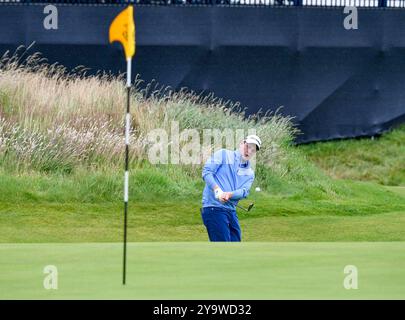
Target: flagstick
(126,177)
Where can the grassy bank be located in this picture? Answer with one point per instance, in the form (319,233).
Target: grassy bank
(380,159)
(88,208)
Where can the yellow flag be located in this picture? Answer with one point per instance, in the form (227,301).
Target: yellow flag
(122,29)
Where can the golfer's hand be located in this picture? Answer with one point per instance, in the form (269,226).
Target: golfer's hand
(225,196)
(218,193)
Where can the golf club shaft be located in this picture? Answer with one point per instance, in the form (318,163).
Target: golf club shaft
(242,208)
(248,209)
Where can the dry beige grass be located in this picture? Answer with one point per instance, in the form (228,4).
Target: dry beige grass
(50,117)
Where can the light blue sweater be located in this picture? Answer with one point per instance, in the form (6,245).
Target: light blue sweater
(226,169)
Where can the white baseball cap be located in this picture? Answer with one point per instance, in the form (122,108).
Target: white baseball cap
(254,139)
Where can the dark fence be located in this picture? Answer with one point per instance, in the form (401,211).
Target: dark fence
(318,3)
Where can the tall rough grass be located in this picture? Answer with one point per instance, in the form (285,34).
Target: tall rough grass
(52,120)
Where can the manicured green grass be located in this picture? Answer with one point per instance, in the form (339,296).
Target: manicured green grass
(381,159)
(88,208)
(398,190)
(204,271)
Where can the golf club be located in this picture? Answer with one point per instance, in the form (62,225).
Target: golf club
(248,208)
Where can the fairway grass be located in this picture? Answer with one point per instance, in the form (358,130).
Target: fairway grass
(89,227)
(204,270)
(399,190)
(44,209)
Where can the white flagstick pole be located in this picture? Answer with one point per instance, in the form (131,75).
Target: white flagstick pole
(126,176)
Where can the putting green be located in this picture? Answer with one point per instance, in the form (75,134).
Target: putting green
(195,270)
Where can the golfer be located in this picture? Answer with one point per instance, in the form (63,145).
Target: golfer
(228,177)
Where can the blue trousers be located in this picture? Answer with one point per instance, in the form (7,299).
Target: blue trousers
(221,224)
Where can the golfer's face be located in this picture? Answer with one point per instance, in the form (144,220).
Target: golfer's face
(248,150)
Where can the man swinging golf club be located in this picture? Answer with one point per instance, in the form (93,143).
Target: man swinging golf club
(228,177)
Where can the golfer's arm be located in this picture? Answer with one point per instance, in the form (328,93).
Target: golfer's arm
(210,180)
(242,192)
(210,168)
